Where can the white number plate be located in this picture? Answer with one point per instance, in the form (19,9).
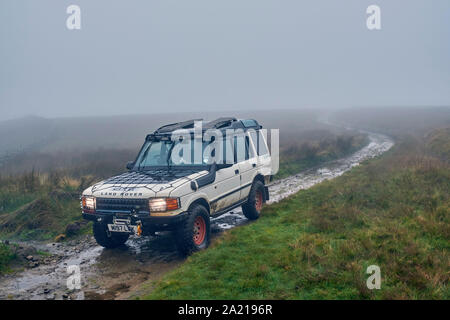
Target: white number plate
(121,228)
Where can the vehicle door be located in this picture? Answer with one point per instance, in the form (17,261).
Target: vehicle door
(245,154)
(226,188)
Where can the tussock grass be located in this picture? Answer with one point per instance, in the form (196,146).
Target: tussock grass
(439,143)
(6,256)
(39,206)
(315,148)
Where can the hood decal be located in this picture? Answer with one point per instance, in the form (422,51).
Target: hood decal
(149,177)
(132,184)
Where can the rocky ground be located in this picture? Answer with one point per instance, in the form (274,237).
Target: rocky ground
(40,270)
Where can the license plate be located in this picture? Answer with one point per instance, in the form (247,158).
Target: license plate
(121,228)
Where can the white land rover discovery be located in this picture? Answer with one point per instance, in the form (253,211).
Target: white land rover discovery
(184,174)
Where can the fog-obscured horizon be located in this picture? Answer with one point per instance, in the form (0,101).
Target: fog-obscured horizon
(153,57)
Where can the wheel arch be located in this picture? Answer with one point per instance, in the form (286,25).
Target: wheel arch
(259,177)
(201,201)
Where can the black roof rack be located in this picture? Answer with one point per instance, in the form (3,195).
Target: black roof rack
(177,125)
(219,123)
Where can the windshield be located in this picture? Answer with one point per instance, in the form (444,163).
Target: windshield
(169,153)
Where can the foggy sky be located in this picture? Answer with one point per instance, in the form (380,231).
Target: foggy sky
(192,55)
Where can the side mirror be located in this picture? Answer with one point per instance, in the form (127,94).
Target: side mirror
(130,165)
(224,165)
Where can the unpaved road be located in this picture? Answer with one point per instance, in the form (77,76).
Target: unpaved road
(116,273)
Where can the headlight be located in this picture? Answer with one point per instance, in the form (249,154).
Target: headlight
(88,203)
(163,204)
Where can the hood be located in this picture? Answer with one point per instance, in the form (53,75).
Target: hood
(143,184)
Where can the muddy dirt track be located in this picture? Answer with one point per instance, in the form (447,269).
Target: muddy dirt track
(118,273)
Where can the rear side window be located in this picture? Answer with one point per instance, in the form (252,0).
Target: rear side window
(241,148)
(261,143)
(249,123)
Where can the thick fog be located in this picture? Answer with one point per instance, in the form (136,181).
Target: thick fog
(168,56)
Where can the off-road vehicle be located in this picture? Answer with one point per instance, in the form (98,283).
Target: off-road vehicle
(165,189)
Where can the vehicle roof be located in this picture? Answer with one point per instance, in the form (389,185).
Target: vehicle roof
(222,123)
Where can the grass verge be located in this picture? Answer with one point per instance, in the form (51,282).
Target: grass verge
(40,207)
(6,257)
(392,212)
(296,157)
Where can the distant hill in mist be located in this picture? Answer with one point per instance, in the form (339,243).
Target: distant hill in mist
(396,120)
(36,134)
(42,135)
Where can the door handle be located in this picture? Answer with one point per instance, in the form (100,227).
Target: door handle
(253,165)
(236,171)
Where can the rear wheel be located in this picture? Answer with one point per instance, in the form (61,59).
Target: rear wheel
(193,234)
(252,208)
(108,239)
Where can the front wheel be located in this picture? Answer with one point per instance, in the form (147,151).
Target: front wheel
(108,239)
(252,208)
(193,234)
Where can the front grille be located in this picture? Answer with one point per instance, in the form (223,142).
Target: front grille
(122,205)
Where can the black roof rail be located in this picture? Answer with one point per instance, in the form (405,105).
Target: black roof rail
(219,123)
(177,125)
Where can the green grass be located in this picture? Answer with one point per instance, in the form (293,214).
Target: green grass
(392,212)
(39,207)
(297,157)
(11,201)
(438,142)
(42,219)
(6,257)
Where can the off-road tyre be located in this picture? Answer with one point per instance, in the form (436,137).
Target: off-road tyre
(193,234)
(252,208)
(108,239)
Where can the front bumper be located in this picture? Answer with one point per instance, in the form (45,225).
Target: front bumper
(145,219)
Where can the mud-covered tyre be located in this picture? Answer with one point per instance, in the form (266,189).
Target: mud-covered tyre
(108,239)
(252,208)
(193,234)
